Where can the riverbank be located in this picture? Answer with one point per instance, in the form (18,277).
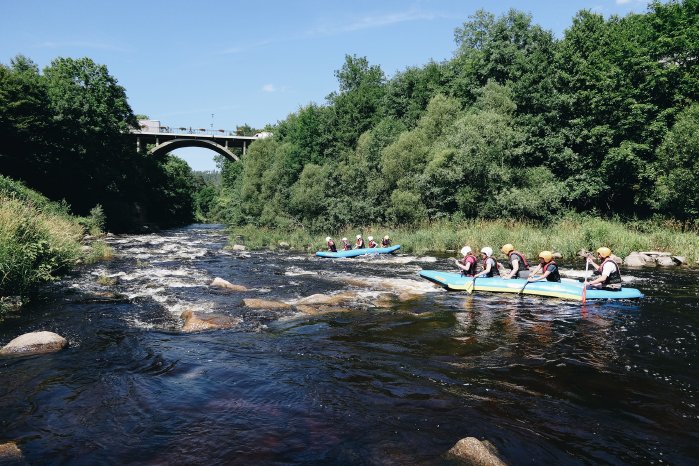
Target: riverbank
(566,237)
(40,241)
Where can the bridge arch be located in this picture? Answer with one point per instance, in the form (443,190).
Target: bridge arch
(169,146)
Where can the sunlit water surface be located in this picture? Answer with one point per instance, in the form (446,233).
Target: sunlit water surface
(396,376)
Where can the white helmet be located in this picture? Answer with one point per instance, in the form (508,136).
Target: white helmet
(371,238)
(327,238)
(359,236)
(386,237)
(465,250)
(344,239)
(487,251)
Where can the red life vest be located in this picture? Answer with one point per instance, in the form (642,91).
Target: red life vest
(494,269)
(521,258)
(470,259)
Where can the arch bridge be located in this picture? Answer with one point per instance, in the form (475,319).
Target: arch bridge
(165,139)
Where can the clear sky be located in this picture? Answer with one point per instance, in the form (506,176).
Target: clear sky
(227,63)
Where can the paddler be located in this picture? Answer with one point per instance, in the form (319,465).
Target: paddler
(331,244)
(609,277)
(468,263)
(372,243)
(548,268)
(520,268)
(359,244)
(386,242)
(346,246)
(490,265)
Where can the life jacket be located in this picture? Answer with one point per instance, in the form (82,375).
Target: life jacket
(522,260)
(346,245)
(493,269)
(470,259)
(373,244)
(554,276)
(614,278)
(385,242)
(359,244)
(331,246)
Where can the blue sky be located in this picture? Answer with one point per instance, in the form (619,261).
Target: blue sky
(250,62)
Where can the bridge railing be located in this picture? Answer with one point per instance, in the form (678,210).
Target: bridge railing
(183,130)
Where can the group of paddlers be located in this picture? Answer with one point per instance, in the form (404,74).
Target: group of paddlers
(358,244)
(606,272)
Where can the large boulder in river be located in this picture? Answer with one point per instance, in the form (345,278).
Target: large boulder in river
(226,285)
(34,343)
(10,454)
(472,451)
(636,259)
(198,321)
(329,300)
(665,261)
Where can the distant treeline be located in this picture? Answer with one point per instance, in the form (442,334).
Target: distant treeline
(518,124)
(64,134)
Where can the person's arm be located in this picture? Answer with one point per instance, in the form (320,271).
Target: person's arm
(515,269)
(485,271)
(532,278)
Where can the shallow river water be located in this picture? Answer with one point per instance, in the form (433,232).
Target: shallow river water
(396,373)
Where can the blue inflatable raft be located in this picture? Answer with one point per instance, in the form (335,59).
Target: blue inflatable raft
(566,289)
(358,252)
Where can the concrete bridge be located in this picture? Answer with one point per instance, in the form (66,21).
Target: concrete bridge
(166,139)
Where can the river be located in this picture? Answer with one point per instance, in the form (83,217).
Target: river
(396,375)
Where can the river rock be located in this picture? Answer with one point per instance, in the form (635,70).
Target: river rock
(617,260)
(680,260)
(34,343)
(226,285)
(254,303)
(330,300)
(636,259)
(10,454)
(315,310)
(557,255)
(284,245)
(665,261)
(198,321)
(238,247)
(472,451)
(655,253)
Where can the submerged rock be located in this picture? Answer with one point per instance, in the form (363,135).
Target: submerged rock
(472,451)
(330,300)
(197,321)
(254,303)
(34,343)
(226,285)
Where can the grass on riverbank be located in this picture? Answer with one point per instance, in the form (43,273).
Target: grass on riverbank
(39,239)
(567,237)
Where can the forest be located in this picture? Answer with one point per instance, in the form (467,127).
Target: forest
(517,125)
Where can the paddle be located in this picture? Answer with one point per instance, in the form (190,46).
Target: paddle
(469,286)
(584,290)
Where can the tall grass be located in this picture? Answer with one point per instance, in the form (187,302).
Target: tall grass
(567,236)
(39,239)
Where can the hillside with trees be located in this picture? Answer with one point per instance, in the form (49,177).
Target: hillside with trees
(518,124)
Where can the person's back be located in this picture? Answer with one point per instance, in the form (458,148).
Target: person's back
(518,264)
(386,242)
(331,244)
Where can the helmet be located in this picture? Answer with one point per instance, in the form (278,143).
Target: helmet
(465,250)
(546,255)
(344,239)
(371,238)
(487,251)
(506,249)
(327,238)
(359,236)
(604,252)
(386,237)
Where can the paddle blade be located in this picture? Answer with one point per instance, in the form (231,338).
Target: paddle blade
(470,285)
(584,292)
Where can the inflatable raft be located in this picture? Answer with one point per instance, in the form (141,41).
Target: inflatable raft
(566,289)
(358,252)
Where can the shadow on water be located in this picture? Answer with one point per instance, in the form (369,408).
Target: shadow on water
(395,374)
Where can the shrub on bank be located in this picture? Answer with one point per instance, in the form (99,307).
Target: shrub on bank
(39,239)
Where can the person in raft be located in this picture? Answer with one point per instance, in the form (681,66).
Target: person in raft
(547,267)
(468,263)
(519,266)
(609,277)
(359,244)
(386,242)
(331,244)
(372,243)
(346,246)
(490,265)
